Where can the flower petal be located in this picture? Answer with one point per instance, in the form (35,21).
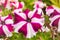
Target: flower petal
(3,18)
(6,31)
(1,31)
(30,31)
(19,25)
(30,14)
(37,20)
(20,17)
(39,4)
(21,5)
(9,21)
(35,13)
(17,11)
(49,10)
(7,17)
(26,11)
(36,26)
(23,29)
(54,19)
(10,27)
(59,26)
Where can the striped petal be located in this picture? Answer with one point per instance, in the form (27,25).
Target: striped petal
(9,21)
(21,5)
(54,13)
(39,4)
(36,20)
(59,26)
(57,9)
(7,17)
(36,26)
(26,11)
(49,10)
(3,18)
(30,31)
(37,23)
(6,31)
(23,29)
(17,11)
(20,17)
(35,13)
(19,25)
(1,31)
(54,19)
(10,27)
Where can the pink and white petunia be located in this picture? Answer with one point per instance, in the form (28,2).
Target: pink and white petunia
(2,2)
(38,7)
(12,3)
(17,5)
(39,4)
(28,22)
(54,14)
(6,27)
(5,3)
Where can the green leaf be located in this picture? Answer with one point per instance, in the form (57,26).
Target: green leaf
(5,12)
(56,3)
(17,36)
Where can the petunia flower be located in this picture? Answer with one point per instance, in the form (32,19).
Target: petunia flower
(39,4)
(54,13)
(6,27)
(5,3)
(28,22)
(8,3)
(17,5)
(2,2)
(12,3)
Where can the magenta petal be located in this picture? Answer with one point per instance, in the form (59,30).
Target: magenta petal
(54,13)
(37,6)
(23,29)
(5,3)
(10,27)
(37,15)
(18,18)
(26,11)
(9,17)
(12,4)
(36,26)
(20,5)
(50,7)
(55,23)
(1,31)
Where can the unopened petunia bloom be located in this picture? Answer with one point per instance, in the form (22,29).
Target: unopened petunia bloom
(5,3)
(39,4)
(2,2)
(54,13)
(6,27)
(17,5)
(28,22)
(12,3)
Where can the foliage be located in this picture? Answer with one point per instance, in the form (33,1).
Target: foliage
(40,35)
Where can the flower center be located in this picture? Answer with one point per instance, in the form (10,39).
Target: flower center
(28,20)
(2,22)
